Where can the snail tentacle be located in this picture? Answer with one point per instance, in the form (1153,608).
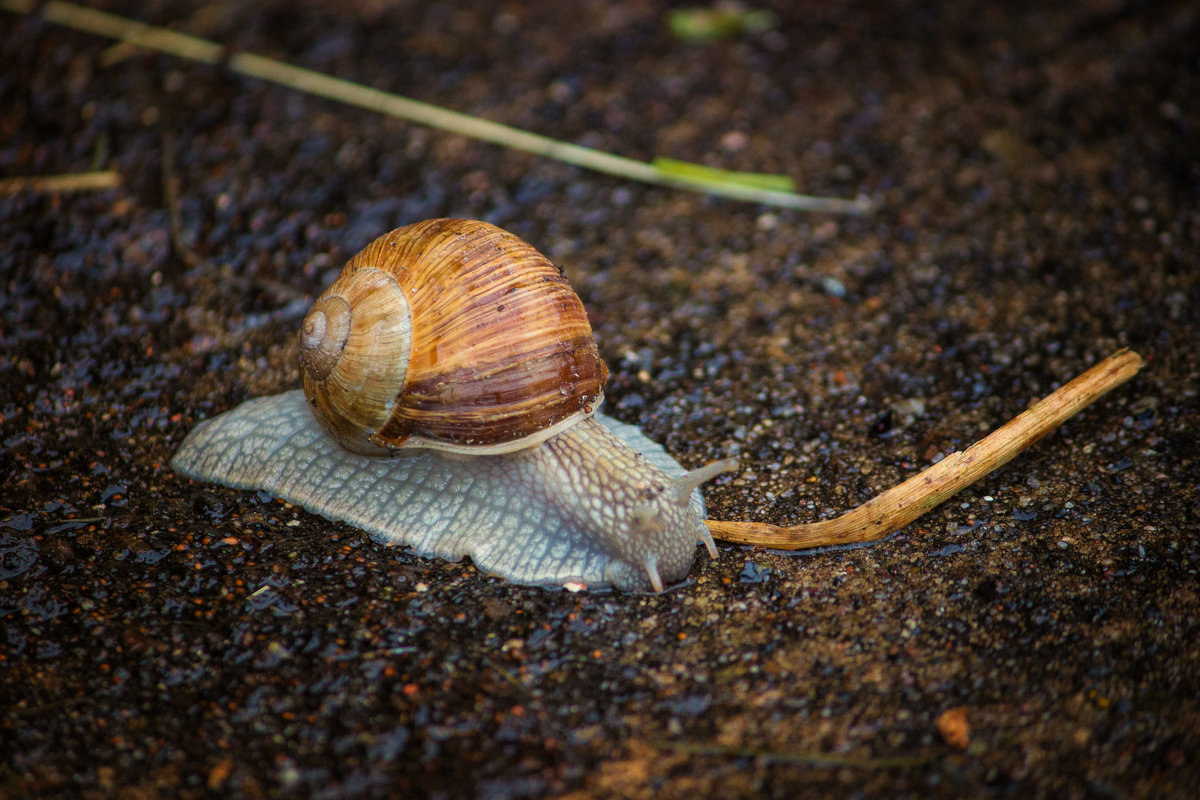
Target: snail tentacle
(651,567)
(684,485)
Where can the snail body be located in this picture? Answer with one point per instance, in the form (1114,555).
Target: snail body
(451,386)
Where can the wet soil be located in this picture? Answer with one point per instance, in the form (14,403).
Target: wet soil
(1038,177)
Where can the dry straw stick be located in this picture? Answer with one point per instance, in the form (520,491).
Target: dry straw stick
(73,182)
(889,512)
(354,94)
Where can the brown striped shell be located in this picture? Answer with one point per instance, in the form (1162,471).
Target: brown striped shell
(453,335)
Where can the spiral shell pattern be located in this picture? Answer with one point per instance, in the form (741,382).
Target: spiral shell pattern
(451,335)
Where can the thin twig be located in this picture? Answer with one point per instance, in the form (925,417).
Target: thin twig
(343,91)
(73,182)
(889,512)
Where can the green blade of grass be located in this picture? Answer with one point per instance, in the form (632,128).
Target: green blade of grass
(699,174)
(704,25)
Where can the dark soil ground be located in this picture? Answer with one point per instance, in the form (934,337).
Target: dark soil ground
(1038,173)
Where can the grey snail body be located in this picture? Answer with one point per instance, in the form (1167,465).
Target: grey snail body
(451,385)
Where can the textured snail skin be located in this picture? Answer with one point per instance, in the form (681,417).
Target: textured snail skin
(593,505)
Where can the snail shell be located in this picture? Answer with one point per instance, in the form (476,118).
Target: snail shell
(457,345)
(452,335)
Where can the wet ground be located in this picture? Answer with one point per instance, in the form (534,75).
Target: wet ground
(1039,181)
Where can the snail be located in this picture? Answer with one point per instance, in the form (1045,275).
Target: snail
(451,386)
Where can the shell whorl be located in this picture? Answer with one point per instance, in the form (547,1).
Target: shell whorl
(323,336)
(451,335)
(354,355)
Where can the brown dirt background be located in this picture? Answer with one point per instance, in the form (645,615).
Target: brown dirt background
(1038,176)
